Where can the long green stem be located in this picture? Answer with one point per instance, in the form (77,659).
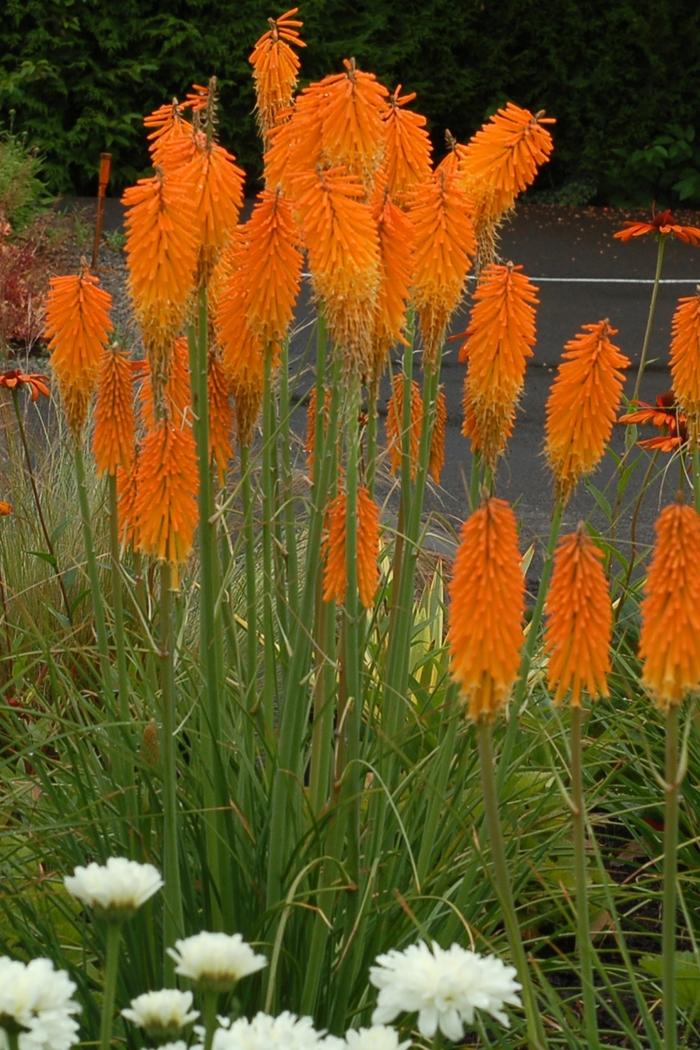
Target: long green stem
(209,1018)
(114,934)
(268,510)
(535,1030)
(290,533)
(650,316)
(93,576)
(372,421)
(173,922)
(251,581)
(124,766)
(37,502)
(578,815)
(668,937)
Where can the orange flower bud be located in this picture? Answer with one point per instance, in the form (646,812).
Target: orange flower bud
(113,436)
(367,539)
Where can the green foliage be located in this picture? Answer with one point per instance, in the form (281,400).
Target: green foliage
(22,191)
(81,75)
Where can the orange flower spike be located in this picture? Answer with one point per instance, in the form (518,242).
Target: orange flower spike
(450,163)
(335,572)
(394,424)
(113,435)
(216,185)
(582,404)
(669,643)
(499,341)
(166,494)
(171,138)
(436,457)
(578,620)
(273,267)
(485,631)
(444,240)
(354,131)
(685,361)
(276,67)
(504,155)
(295,144)
(396,247)
(177,387)
(407,147)
(161,249)
(220,417)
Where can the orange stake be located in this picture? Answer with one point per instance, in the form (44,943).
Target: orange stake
(105,168)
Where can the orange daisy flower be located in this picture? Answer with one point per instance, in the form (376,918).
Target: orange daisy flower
(395,232)
(220,416)
(685,360)
(36,383)
(353,132)
(165,507)
(444,241)
(664,415)
(669,643)
(436,458)
(499,341)
(273,267)
(113,436)
(394,424)
(578,620)
(582,404)
(487,593)
(407,147)
(663,224)
(276,67)
(335,571)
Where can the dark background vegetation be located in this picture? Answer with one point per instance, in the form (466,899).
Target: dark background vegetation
(621,76)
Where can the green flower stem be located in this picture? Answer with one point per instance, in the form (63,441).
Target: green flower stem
(372,421)
(268,510)
(12,1038)
(290,532)
(37,502)
(578,814)
(210,640)
(114,934)
(535,1030)
(668,936)
(530,646)
(251,582)
(661,249)
(324,705)
(209,1018)
(93,576)
(173,920)
(124,766)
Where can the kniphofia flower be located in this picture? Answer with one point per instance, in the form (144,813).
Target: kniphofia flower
(295,146)
(663,224)
(170,137)
(353,131)
(666,416)
(272,263)
(77,328)
(173,379)
(367,540)
(578,620)
(485,632)
(449,165)
(499,341)
(436,455)
(444,241)
(276,67)
(220,416)
(685,360)
(113,436)
(395,424)
(669,643)
(5,508)
(582,404)
(35,382)
(407,147)
(166,494)
(311,419)
(216,185)
(395,232)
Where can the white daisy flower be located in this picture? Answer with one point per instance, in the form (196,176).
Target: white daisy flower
(444,987)
(161,1014)
(285,1032)
(215,961)
(378,1037)
(115,889)
(36,1003)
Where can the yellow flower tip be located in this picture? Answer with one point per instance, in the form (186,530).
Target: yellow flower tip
(578,620)
(485,619)
(669,643)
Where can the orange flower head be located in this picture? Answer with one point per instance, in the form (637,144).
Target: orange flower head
(77,328)
(578,620)
(582,404)
(450,163)
(295,144)
(408,148)
(367,539)
(161,248)
(166,494)
(35,383)
(436,457)
(311,418)
(485,632)
(170,139)
(343,250)
(502,158)
(273,267)
(220,416)
(444,241)
(5,508)
(276,67)
(113,436)
(663,224)
(499,341)
(354,132)
(470,428)
(395,232)
(666,416)
(173,380)
(669,643)
(685,361)
(216,186)
(395,424)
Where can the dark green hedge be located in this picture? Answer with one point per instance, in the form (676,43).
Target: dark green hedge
(621,76)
